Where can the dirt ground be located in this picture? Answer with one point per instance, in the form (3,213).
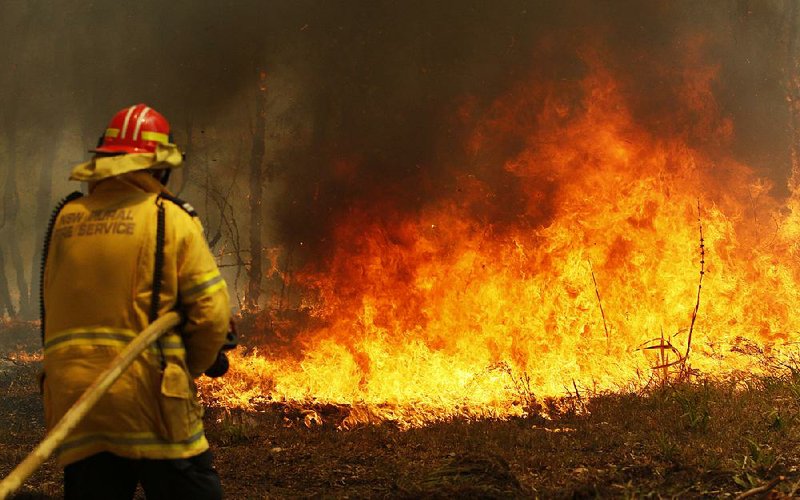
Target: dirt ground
(693,440)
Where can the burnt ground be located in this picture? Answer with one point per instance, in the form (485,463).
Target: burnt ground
(696,439)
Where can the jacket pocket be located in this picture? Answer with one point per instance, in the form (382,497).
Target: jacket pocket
(177,403)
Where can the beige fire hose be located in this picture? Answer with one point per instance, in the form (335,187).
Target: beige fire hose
(86,402)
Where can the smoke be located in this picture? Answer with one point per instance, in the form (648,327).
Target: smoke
(365,95)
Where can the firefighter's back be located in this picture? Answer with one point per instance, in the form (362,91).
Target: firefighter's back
(98,292)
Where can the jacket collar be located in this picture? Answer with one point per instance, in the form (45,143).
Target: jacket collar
(139,180)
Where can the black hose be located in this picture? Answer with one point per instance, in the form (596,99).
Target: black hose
(158,274)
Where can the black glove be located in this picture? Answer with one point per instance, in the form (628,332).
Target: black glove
(221,364)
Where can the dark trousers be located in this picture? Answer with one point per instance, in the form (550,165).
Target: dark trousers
(110,477)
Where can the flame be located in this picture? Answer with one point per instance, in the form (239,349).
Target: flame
(549,270)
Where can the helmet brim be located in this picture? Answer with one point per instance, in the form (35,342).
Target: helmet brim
(118,150)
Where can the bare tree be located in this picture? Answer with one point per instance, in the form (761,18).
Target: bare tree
(793,83)
(13,116)
(256,192)
(44,195)
(6,305)
(11,205)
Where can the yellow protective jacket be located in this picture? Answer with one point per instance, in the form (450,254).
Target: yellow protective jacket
(97,293)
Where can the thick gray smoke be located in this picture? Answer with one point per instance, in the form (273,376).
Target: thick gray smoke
(373,83)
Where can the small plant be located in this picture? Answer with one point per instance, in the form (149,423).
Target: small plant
(760,458)
(793,380)
(695,406)
(746,480)
(521,385)
(235,428)
(777,422)
(667,447)
(757,462)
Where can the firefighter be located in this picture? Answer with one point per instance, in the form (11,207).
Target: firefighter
(114,261)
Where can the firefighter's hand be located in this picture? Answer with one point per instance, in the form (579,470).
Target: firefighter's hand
(231,338)
(220,366)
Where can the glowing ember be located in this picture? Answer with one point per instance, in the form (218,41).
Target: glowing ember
(460,310)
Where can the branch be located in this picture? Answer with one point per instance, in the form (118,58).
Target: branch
(597,292)
(760,489)
(699,285)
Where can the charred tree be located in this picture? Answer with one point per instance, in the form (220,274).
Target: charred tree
(257,155)
(6,305)
(793,85)
(44,195)
(11,205)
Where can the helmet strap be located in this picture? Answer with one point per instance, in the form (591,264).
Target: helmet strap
(162,175)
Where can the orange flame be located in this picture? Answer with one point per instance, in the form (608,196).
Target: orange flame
(463,308)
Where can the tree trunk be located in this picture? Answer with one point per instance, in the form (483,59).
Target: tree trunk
(44,204)
(6,305)
(793,86)
(256,192)
(11,208)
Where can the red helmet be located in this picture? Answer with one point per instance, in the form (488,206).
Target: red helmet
(137,129)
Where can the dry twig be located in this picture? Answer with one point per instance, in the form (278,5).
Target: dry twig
(760,489)
(597,292)
(699,285)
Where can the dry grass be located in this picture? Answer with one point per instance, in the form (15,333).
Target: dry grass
(689,439)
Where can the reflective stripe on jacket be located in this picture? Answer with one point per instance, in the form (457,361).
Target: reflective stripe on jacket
(97,292)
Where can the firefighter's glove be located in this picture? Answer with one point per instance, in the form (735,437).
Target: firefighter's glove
(231,338)
(221,364)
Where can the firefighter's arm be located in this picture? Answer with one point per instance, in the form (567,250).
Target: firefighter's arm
(204,301)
